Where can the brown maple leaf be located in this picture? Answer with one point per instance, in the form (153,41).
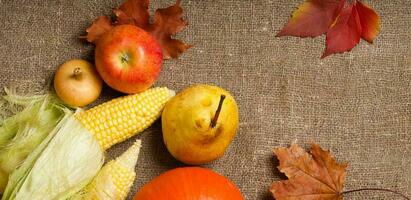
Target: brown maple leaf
(134,13)
(167,22)
(100,26)
(311,176)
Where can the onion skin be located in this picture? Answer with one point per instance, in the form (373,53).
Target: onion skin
(77,83)
(189,183)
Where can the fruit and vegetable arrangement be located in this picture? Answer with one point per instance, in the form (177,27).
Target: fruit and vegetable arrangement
(52,146)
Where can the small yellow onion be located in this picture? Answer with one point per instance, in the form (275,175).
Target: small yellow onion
(77,83)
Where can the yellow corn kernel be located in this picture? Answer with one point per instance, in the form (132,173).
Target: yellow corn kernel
(116,178)
(119,119)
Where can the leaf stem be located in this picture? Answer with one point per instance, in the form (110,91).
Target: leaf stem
(217,112)
(375,189)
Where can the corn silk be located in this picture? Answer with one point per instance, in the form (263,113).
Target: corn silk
(46,151)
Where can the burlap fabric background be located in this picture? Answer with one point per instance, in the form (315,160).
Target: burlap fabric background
(356,104)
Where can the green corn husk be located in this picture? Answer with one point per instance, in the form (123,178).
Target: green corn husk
(64,163)
(34,118)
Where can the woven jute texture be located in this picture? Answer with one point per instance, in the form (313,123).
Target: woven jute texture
(357,104)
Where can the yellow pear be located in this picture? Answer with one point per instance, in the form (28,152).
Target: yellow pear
(199,123)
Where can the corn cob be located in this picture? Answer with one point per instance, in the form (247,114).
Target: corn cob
(119,119)
(115,179)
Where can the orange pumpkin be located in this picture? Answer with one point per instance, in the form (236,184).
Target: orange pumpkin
(189,183)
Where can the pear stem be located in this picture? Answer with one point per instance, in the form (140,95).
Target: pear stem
(217,112)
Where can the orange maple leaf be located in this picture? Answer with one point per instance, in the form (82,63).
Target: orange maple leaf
(311,176)
(344,22)
(167,22)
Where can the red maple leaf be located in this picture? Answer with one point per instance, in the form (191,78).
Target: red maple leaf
(344,22)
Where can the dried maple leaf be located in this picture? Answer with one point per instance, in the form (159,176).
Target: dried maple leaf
(344,22)
(314,176)
(167,22)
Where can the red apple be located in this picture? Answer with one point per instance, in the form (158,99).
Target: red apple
(128,59)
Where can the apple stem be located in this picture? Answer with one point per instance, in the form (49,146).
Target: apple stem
(125,58)
(217,112)
(77,72)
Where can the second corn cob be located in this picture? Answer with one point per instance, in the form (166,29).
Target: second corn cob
(115,179)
